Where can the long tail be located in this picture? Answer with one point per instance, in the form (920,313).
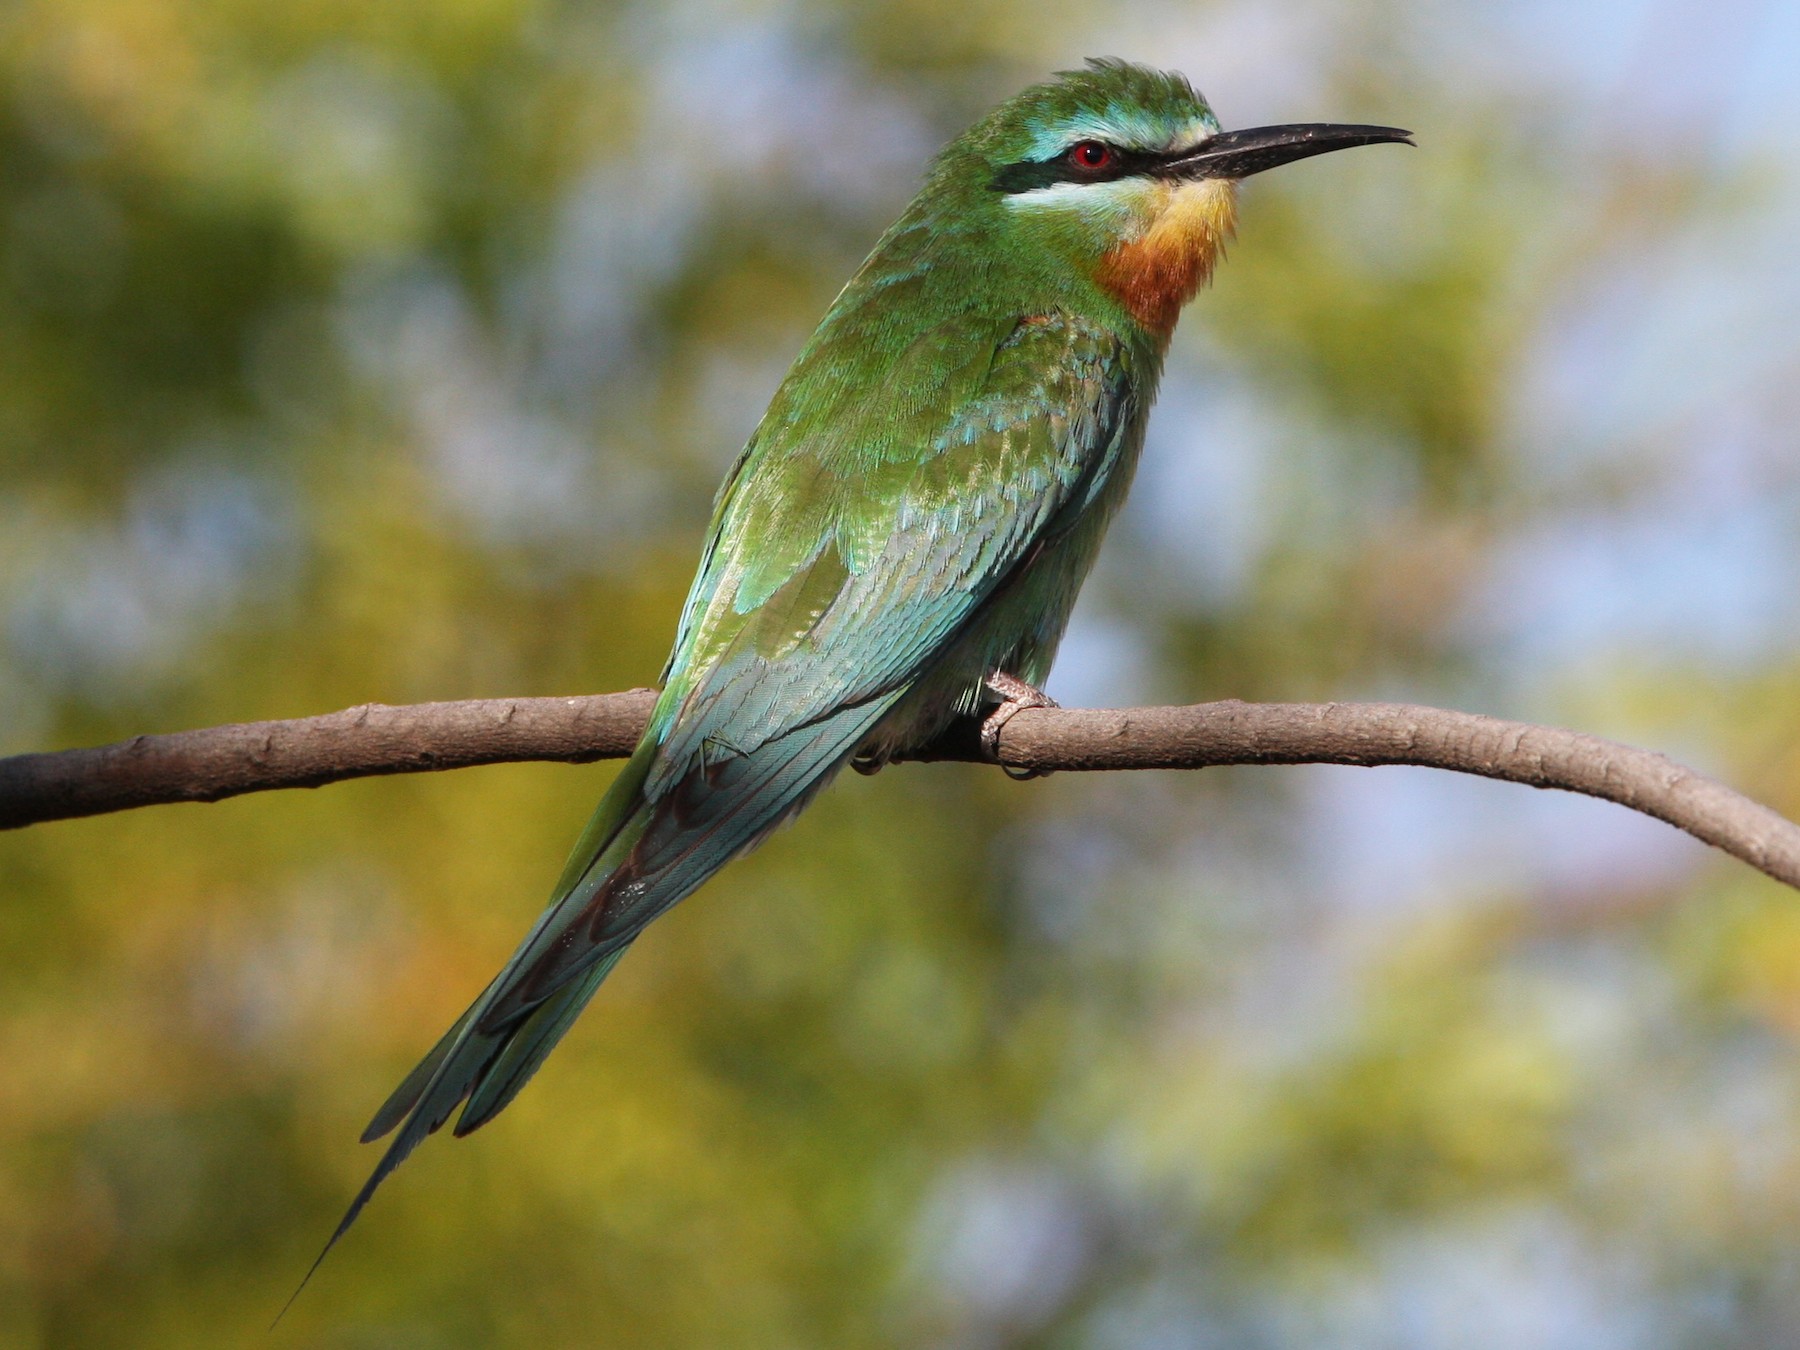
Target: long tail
(636,858)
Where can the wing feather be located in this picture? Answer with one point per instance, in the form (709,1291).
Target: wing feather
(836,575)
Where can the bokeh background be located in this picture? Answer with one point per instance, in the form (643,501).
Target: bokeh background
(392,352)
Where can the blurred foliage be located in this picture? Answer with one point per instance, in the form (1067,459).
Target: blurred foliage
(391,352)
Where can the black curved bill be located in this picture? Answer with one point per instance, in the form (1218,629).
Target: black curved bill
(1238,154)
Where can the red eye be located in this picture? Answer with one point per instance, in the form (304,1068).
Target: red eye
(1092,155)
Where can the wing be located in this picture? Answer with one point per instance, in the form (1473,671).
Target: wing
(847,553)
(842,564)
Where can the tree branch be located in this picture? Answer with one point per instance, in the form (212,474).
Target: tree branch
(376,739)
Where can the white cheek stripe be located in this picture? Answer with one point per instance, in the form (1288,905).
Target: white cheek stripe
(1115,193)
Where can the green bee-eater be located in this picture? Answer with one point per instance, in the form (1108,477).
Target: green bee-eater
(902,539)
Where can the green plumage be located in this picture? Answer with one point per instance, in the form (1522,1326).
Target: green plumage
(915,512)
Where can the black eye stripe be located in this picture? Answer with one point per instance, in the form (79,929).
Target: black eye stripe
(1030,174)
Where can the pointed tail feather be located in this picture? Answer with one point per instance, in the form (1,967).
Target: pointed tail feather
(458,1064)
(635,859)
(457,1067)
(530,1043)
(465,1064)
(401,1102)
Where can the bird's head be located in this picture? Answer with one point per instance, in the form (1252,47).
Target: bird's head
(1123,174)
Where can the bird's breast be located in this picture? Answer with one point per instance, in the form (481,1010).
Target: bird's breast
(1157,273)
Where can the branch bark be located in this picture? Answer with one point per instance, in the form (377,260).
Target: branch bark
(375,739)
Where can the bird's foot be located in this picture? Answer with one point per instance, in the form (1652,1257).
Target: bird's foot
(1015,697)
(869,762)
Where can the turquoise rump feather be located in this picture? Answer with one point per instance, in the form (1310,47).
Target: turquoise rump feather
(907,528)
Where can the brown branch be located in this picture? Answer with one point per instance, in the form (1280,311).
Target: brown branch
(375,739)
(206,766)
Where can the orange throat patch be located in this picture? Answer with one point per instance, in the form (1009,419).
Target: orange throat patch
(1158,273)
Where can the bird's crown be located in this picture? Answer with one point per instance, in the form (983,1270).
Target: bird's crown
(1125,107)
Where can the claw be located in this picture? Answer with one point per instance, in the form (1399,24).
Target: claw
(1015,696)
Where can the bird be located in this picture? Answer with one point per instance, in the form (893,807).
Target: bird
(902,538)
